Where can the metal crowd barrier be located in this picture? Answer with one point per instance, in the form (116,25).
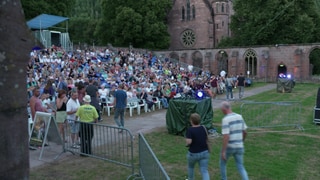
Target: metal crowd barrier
(150,167)
(100,141)
(271,114)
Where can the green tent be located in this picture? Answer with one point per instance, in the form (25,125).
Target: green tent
(285,85)
(177,117)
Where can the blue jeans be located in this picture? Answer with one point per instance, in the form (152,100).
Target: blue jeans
(238,156)
(229,91)
(203,159)
(119,112)
(164,102)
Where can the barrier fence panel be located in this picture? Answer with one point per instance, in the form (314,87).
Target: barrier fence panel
(271,114)
(100,141)
(150,167)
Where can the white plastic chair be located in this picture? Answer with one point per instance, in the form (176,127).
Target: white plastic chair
(144,104)
(109,106)
(132,105)
(156,102)
(30,124)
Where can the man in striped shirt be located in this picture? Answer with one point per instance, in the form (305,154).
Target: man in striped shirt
(234,134)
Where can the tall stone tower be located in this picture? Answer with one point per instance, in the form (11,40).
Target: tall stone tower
(223,10)
(198,24)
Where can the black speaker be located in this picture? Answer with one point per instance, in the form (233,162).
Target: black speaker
(316,116)
(318,99)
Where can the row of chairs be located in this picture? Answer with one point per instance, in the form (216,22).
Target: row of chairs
(132,103)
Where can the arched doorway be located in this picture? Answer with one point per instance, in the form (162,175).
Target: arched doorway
(282,70)
(251,62)
(314,59)
(222,59)
(174,56)
(197,59)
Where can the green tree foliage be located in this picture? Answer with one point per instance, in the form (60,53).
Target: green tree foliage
(140,23)
(33,8)
(82,29)
(260,22)
(84,20)
(120,22)
(84,15)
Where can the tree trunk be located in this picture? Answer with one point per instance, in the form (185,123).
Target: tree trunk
(16,43)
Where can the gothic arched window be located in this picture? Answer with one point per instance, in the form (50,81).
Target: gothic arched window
(183,13)
(193,12)
(188,10)
(222,7)
(251,62)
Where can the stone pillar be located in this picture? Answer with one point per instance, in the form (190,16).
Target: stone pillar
(264,65)
(298,63)
(207,61)
(235,63)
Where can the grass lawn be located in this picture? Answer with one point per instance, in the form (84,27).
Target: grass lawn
(292,155)
(269,155)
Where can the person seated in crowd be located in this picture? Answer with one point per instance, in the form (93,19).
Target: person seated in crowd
(148,98)
(167,92)
(46,103)
(31,84)
(103,94)
(136,70)
(159,94)
(173,91)
(50,89)
(131,93)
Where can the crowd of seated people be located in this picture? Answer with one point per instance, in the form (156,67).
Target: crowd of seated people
(146,76)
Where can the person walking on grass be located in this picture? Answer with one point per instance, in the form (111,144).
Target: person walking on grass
(196,140)
(120,104)
(234,134)
(240,84)
(229,87)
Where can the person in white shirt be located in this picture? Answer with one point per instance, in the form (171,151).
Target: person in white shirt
(130,93)
(72,106)
(46,103)
(103,93)
(148,88)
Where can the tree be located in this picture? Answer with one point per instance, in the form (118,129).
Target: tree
(142,23)
(33,8)
(82,29)
(259,22)
(127,27)
(14,50)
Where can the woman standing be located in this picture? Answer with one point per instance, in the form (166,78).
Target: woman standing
(196,140)
(61,114)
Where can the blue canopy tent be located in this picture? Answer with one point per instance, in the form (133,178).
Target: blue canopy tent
(45,21)
(40,26)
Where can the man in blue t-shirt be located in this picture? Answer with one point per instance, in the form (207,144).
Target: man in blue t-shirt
(120,103)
